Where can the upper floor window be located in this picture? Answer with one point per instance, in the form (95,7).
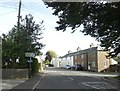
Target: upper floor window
(105,63)
(71,58)
(93,64)
(82,56)
(68,58)
(75,56)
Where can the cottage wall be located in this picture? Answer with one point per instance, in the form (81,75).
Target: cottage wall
(81,59)
(67,61)
(103,62)
(92,60)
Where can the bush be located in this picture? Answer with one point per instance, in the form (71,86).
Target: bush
(35,66)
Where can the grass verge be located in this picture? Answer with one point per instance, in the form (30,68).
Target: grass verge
(117,77)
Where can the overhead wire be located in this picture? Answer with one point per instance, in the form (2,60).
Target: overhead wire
(29,11)
(8,5)
(8,13)
(14,5)
(26,8)
(38,10)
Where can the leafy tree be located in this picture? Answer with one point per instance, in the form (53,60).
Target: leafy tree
(46,62)
(117,59)
(19,41)
(100,20)
(49,55)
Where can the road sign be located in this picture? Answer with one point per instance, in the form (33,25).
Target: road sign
(29,54)
(30,61)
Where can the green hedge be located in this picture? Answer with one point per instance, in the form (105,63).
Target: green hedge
(35,66)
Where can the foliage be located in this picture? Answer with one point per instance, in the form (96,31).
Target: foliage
(19,41)
(49,55)
(46,62)
(35,66)
(100,20)
(117,77)
(117,59)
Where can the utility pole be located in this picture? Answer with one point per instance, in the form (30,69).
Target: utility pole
(19,10)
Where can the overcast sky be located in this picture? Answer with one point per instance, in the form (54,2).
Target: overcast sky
(58,41)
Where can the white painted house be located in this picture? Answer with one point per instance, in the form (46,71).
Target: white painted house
(67,60)
(56,62)
(39,58)
(113,62)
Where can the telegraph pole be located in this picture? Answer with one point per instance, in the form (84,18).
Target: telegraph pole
(19,10)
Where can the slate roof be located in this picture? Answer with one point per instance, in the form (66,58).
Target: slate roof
(80,52)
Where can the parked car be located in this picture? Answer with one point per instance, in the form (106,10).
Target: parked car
(77,67)
(50,65)
(68,67)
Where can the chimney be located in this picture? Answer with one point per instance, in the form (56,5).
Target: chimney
(69,51)
(92,45)
(78,48)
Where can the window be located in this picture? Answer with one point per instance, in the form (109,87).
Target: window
(75,63)
(93,64)
(64,58)
(82,56)
(82,64)
(75,56)
(105,63)
(71,57)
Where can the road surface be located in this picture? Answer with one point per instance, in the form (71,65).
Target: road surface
(57,78)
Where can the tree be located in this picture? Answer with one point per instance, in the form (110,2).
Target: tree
(49,55)
(19,41)
(117,59)
(100,20)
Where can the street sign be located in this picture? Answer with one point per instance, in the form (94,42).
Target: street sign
(30,61)
(29,54)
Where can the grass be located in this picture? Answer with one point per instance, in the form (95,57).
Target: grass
(117,77)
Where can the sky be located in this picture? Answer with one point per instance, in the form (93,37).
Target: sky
(58,41)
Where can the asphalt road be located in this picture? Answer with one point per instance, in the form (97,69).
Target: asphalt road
(56,78)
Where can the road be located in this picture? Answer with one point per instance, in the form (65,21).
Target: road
(56,78)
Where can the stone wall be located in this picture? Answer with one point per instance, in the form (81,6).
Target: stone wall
(14,73)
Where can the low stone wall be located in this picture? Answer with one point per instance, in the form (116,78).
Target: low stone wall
(14,73)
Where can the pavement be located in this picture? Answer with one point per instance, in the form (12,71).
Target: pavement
(10,83)
(21,84)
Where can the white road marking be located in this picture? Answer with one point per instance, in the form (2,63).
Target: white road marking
(37,83)
(52,71)
(63,73)
(98,85)
(90,85)
(70,78)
